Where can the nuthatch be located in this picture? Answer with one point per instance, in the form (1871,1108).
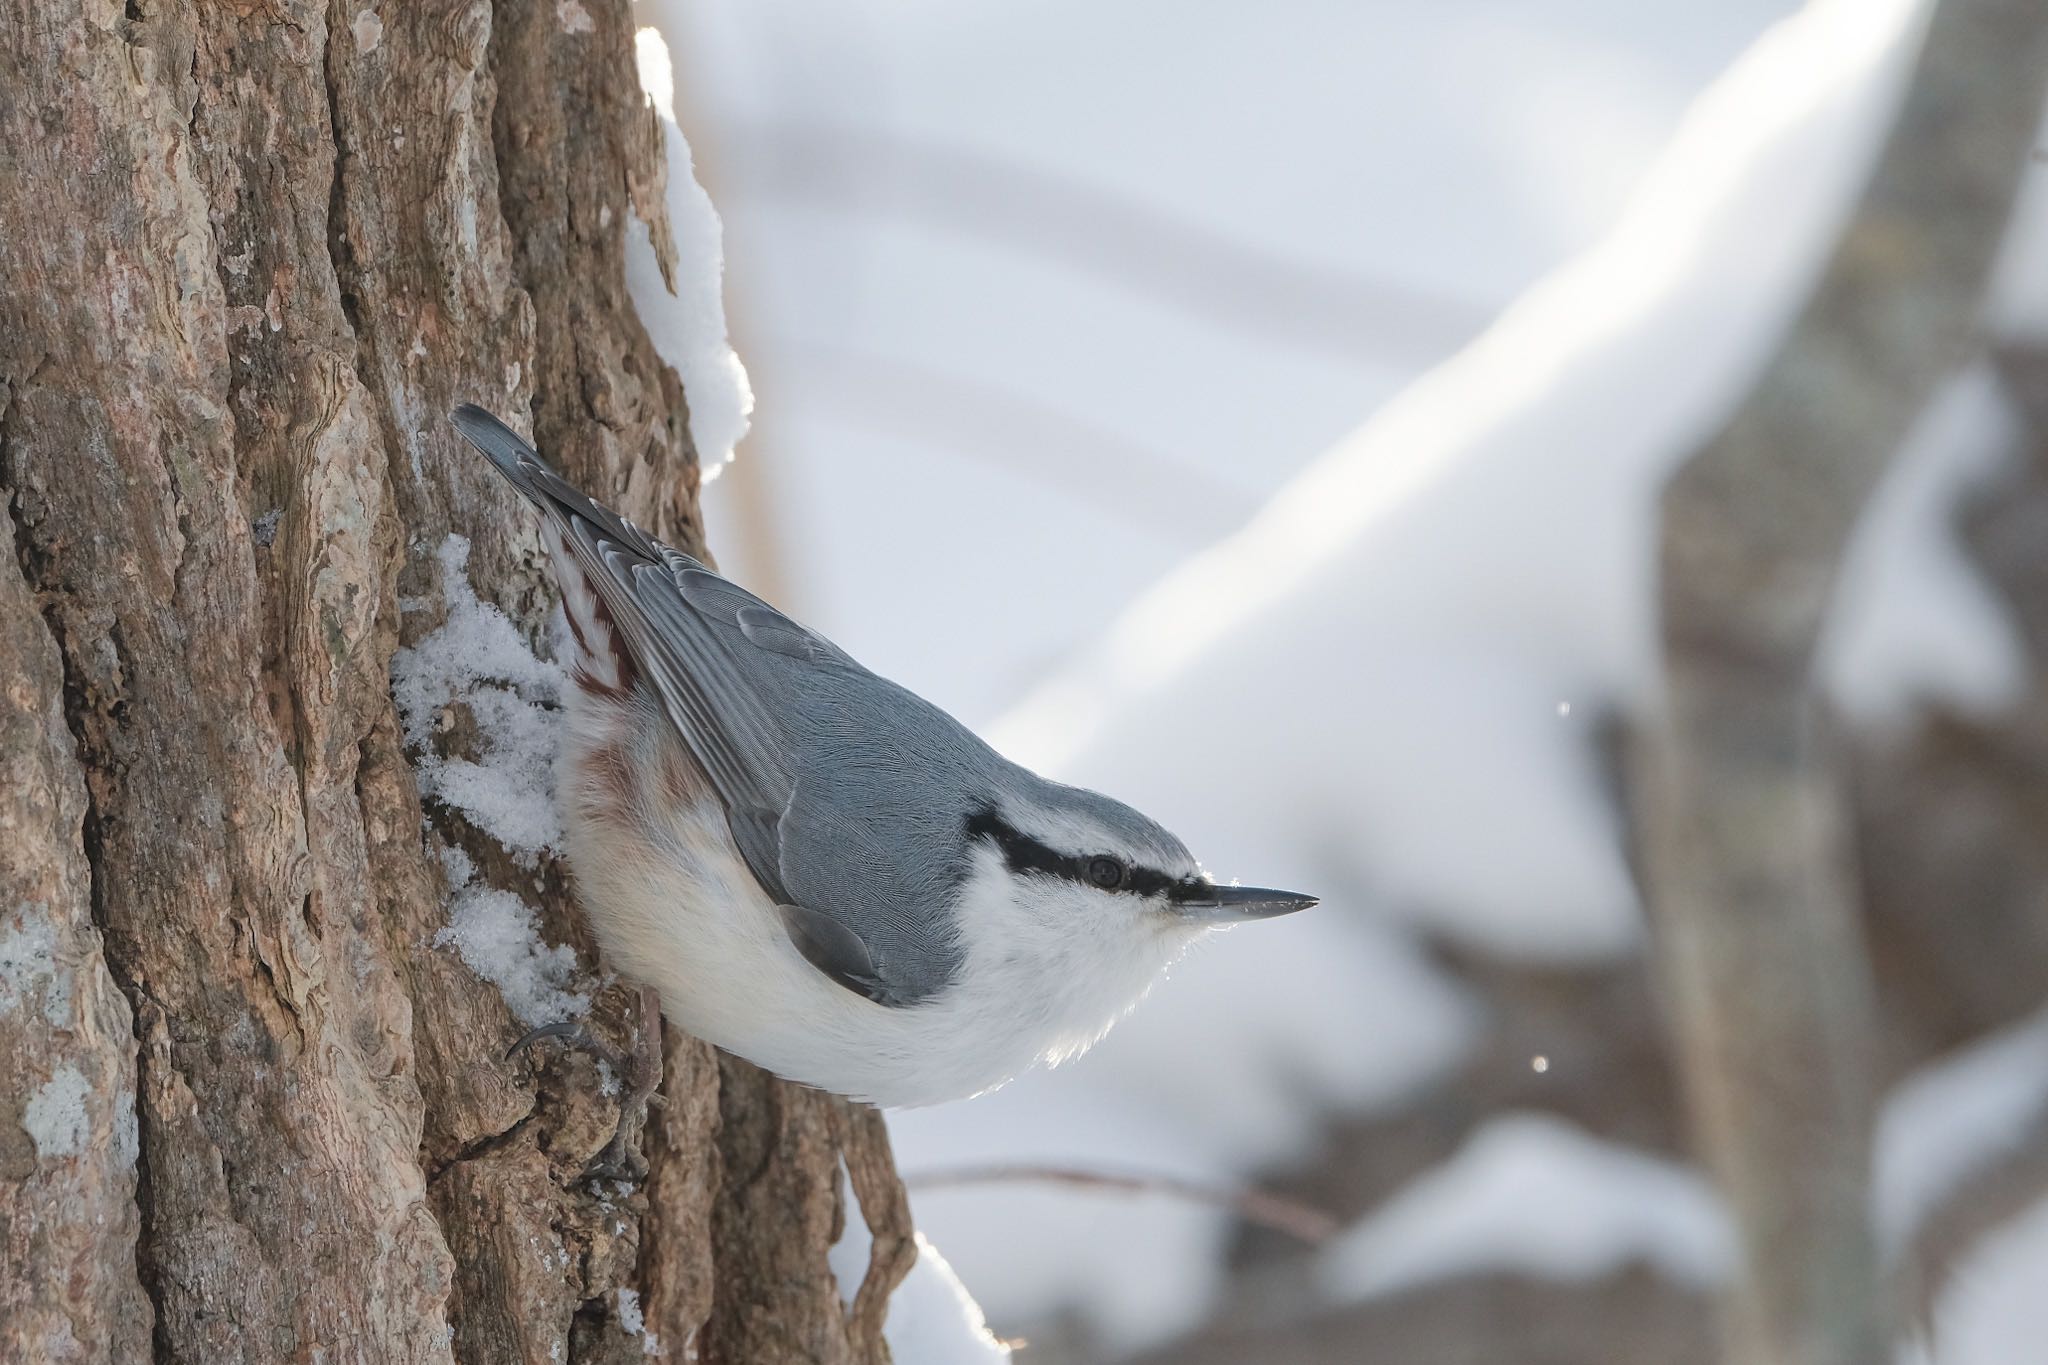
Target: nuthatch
(817,869)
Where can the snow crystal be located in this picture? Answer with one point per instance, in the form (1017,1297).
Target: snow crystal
(457,864)
(634,1323)
(498,937)
(1535,1195)
(687,324)
(55,1117)
(1952,1118)
(29,966)
(478,658)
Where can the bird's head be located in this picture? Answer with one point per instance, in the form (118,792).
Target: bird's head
(1073,904)
(1077,859)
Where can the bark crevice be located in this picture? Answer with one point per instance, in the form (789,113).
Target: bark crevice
(339,254)
(39,577)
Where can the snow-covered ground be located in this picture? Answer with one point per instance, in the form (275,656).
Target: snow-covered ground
(1535,1195)
(1039,442)
(1995,1312)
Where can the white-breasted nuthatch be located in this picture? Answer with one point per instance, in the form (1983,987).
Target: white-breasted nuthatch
(815,868)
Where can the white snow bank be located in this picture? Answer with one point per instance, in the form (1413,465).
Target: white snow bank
(932,1320)
(1534,1195)
(687,324)
(1954,1117)
(929,253)
(1373,668)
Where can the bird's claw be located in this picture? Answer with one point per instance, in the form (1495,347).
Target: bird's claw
(618,1161)
(639,1072)
(576,1036)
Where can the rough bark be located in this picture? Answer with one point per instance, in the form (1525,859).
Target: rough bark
(249,255)
(1751,880)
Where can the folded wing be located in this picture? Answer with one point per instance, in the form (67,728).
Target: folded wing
(724,666)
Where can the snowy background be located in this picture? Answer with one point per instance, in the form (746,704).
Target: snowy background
(1257,412)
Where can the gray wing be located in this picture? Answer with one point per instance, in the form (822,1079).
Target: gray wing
(800,742)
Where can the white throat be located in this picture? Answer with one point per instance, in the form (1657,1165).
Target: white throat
(1061,962)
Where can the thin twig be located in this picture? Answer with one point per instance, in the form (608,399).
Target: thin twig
(1108,231)
(1261,1208)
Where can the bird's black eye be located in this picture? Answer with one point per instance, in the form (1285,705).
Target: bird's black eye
(1106,872)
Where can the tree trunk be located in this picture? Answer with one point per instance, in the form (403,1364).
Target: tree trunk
(250,254)
(1757,911)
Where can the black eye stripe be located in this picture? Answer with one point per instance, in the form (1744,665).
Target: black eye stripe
(1024,854)
(1021,852)
(1146,881)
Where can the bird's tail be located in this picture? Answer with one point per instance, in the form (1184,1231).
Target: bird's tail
(580,533)
(514,456)
(511,454)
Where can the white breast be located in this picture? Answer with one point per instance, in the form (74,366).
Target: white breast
(674,906)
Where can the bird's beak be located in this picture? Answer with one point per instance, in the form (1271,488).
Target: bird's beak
(1219,905)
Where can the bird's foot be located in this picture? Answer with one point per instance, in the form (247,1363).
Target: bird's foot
(576,1036)
(639,1071)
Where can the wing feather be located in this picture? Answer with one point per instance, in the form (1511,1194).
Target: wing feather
(728,670)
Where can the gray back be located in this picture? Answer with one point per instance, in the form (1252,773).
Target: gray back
(847,795)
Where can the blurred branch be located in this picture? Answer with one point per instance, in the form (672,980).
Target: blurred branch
(1015,432)
(1276,1213)
(1138,247)
(1756,906)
